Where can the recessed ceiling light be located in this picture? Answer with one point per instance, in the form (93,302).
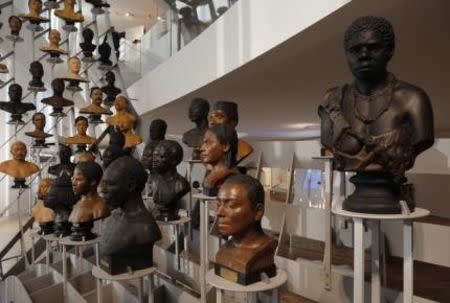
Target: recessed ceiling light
(128,14)
(301,125)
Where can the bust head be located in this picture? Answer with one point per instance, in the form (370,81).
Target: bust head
(58,86)
(166,156)
(44,187)
(15,93)
(38,120)
(369,45)
(198,110)
(88,35)
(81,124)
(60,194)
(121,103)
(69,3)
(64,153)
(35,6)
(219,143)
(86,177)
(123,181)
(36,69)
(15,24)
(224,112)
(96,95)
(104,50)
(18,151)
(54,37)
(110,78)
(240,205)
(114,149)
(157,130)
(74,65)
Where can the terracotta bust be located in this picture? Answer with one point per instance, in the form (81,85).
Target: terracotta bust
(218,153)
(53,48)
(15,25)
(68,13)
(131,231)
(227,112)
(110,90)
(57,101)
(115,149)
(18,167)
(65,165)
(38,134)
(168,187)
(377,125)
(91,206)
(41,214)
(61,198)
(81,138)
(131,139)
(122,115)
(15,106)
(34,14)
(37,72)
(87,46)
(95,110)
(157,131)
(198,113)
(3,67)
(249,252)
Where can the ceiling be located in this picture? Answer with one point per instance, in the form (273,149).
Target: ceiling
(278,92)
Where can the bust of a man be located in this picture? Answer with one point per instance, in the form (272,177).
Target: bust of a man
(65,165)
(218,154)
(38,134)
(95,109)
(226,112)
(15,25)
(122,115)
(168,186)
(18,167)
(37,72)
(54,37)
(131,231)
(41,214)
(15,106)
(131,139)
(68,13)
(104,51)
(377,125)
(87,46)
(73,74)
(157,133)
(91,206)
(249,252)
(57,101)
(110,90)
(198,113)
(115,149)
(81,138)
(34,14)
(61,198)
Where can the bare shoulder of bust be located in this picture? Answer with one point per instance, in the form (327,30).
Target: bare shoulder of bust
(410,95)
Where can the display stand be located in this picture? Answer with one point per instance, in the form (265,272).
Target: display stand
(34,234)
(191,164)
(176,225)
(358,248)
(272,284)
(204,249)
(100,275)
(49,240)
(64,242)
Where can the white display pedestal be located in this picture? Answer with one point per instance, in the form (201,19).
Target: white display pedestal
(100,275)
(49,239)
(176,225)
(34,234)
(272,284)
(204,231)
(358,249)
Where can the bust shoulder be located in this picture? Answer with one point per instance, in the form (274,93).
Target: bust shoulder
(410,95)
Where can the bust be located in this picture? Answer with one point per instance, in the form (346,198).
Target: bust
(38,134)
(131,231)
(18,167)
(57,101)
(68,13)
(15,25)
(110,90)
(51,4)
(377,125)
(157,131)
(81,138)
(218,154)
(3,67)
(249,252)
(15,106)
(65,165)
(34,12)
(98,6)
(53,48)
(115,149)
(168,187)
(227,112)
(131,139)
(87,46)
(73,75)
(104,51)
(37,72)
(41,214)
(95,110)
(61,198)
(198,113)
(122,116)
(90,207)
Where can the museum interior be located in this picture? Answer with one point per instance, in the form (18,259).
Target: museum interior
(209,151)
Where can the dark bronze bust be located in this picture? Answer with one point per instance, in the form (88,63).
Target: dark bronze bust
(37,72)
(157,131)
(15,106)
(249,252)
(98,6)
(65,165)
(131,231)
(105,52)
(57,101)
(87,46)
(38,134)
(168,186)
(218,153)
(198,113)
(61,198)
(377,125)
(115,149)
(110,90)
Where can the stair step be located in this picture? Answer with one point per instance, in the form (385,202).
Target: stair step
(53,293)
(84,283)
(38,283)
(27,275)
